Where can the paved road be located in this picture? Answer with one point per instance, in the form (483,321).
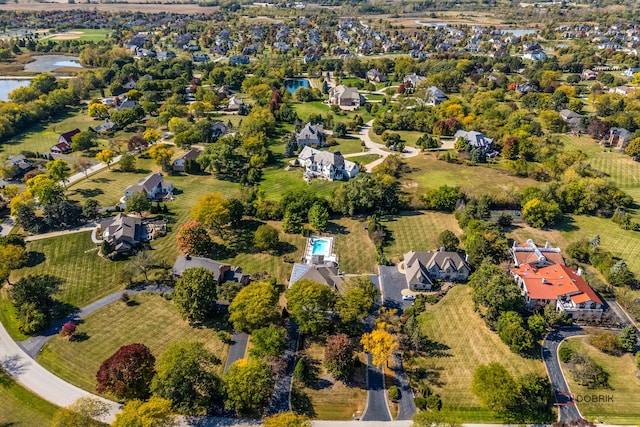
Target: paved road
(237,349)
(375,148)
(377,408)
(406,406)
(6,226)
(33,345)
(281,399)
(393,283)
(567,410)
(80,229)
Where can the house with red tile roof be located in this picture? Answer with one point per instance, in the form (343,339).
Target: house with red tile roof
(559,285)
(539,256)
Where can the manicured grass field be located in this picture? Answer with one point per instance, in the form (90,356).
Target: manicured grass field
(618,166)
(21,408)
(417,231)
(331,399)
(276,181)
(74,258)
(306,109)
(428,172)
(625,387)
(409,137)
(347,145)
(8,316)
(356,252)
(464,342)
(365,159)
(151,320)
(39,138)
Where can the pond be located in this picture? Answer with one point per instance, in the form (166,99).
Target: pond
(6,86)
(47,63)
(293,84)
(520,32)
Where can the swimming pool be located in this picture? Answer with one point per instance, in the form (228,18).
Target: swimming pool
(320,247)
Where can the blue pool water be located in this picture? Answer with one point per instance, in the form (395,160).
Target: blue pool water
(320,247)
(293,84)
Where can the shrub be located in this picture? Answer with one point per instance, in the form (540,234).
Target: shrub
(588,373)
(68,329)
(420,402)
(566,353)
(124,298)
(605,341)
(394,393)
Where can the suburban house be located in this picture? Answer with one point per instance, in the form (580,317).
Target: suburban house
(617,137)
(179,164)
(376,76)
(571,118)
(221,272)
(630,72)
(64,142)
(238,60)
(475,139)
(122,232)
(422,268)
(589,75)
(218,129)
(311,135)
(622,90)
(413,80)
(322,164)
(326,274)
(435,96)
(537,55)
(125,104)
(17,166)
(105,127)
(235,103)
(343,96)
(559,285)
(537,256)
(154,185)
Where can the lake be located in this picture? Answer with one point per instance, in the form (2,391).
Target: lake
(293,84)
(518,32)
(47,63)
(6,86)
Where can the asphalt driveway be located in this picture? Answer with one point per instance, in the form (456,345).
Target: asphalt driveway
(392,282)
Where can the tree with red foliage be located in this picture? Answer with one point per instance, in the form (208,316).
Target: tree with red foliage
(194,239)
(401,88)
(127,374)
(68,329)
(339,356)
(136,141)
(598,128)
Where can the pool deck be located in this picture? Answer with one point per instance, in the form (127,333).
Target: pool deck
(329,256)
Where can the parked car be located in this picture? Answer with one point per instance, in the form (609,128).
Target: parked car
(408,297)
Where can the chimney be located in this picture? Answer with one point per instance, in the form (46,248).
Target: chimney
(579,272)
(187,256)
(544,280)
(547,245)
(441,248)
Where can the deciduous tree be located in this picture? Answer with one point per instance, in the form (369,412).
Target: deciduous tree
(254,307)
(287,419)
(186,376)
(628,339)
(339,359)
(58,170)
(106,156)
(448,241)
(194,239)
(494,386)
(81,413)
(13,257)
(127,163)
(84,140)
(212,211)
(359,297)
(138,202)
(381,344)
(248,386)
(318,217)
(269,341)
(309,304)
(127,374)
(266,238)
(156,412)
(161,154)
(195,294)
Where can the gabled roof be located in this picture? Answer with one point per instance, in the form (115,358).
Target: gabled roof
(529,252)
(322,158)
(324,274)
(310,131)
(192,154)
(418,264)
(554,281)
(122,231)
(68,135)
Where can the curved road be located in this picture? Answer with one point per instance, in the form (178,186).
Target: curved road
(375,148)
(567,409)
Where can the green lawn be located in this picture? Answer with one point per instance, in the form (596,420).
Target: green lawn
(151,320)
(94,34)
(356,252)
(306,109)
(276,180)
(409,137)
(20,407)
(74,258)
(464,342)
(365,159)
(417,231)
(40,137)
(625,387)
(347,145)
(428,172)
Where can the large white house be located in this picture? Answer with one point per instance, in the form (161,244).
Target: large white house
(323,164)
(153,185)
